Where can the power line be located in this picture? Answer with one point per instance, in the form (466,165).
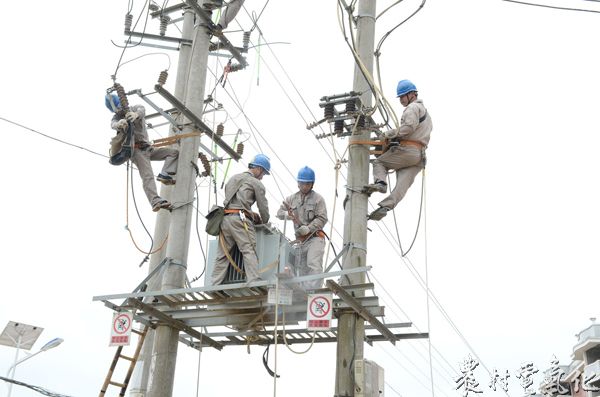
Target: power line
(38,389)
(553,7)
(53,138)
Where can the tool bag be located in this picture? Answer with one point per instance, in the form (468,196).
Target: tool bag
(215,216)
(214,219)
(121,146)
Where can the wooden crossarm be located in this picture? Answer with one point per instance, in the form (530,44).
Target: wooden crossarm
(160,142)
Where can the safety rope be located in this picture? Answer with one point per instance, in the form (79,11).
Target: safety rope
(421,205)
(229,258)
(127,221)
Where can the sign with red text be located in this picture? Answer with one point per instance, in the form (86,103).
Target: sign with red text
(318,312)
(120,333)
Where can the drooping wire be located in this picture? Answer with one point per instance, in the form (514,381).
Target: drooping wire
(150,251)
(150,53)
(388,8)
(553,7)
(389,32)
(418,218)
(197,229)
(380,102)
(127,43)
(255,20)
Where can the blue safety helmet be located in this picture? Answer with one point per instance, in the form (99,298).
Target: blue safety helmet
(306,174)
(404,87)
(112,102)
(262,161)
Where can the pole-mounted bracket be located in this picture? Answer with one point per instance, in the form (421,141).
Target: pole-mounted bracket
(361,311)
(200,125)
(205,16)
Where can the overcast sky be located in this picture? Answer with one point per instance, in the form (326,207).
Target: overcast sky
(511,186)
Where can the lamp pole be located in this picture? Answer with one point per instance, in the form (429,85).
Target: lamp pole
(50,345)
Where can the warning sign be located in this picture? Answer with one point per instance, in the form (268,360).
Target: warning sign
(120,333)
(318,312)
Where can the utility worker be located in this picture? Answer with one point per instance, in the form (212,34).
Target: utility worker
(237,227)
(406,153)
(229,13)
(143,152)
(307,210)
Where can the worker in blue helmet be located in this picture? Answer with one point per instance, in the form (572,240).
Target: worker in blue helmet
(242,191)
(306,208)
(143,151)
(406,150)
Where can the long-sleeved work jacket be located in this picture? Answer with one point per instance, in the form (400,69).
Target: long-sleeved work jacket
(309,210)
(250,191)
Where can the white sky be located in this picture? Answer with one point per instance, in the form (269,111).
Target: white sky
(512,197)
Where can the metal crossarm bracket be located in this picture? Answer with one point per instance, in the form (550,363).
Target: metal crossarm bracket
(174,323)
(364,313)
(157,37)
(217,32)
(197,121)
(171,120)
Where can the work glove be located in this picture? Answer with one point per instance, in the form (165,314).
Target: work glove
(390,134)
(131,116)
(256,218)
(122,124)
(302,231)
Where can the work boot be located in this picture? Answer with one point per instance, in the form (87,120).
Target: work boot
(166,179)
(378,186)
(162,203)
(378,213)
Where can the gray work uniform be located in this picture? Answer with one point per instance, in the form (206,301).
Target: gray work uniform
(234,231)
(407,161)
(144,153)
(309,210)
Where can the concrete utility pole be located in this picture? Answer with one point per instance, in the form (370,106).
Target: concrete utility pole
(351,327)
(139,383)
(166,339)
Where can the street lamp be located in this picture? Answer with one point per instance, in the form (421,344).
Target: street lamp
(50,345)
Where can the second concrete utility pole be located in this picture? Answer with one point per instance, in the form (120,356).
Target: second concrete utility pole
(351,327)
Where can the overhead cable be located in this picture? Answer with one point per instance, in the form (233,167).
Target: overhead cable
(38,389)
(53,138)
(553,7)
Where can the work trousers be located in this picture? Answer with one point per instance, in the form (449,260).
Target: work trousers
(309,260)
(407,161)
(142,160)
(234,233)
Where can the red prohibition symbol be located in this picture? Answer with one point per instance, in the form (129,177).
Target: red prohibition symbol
(121,324)
(319,306)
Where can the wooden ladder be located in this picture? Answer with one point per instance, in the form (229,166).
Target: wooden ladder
(132,361)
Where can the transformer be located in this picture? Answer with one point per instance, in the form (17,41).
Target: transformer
(275,255)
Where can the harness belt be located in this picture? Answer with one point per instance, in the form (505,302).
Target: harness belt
(318,233)
(142,146)
(237,211)
(406,142)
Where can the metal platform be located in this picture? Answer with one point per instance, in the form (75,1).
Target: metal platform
(239,314)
